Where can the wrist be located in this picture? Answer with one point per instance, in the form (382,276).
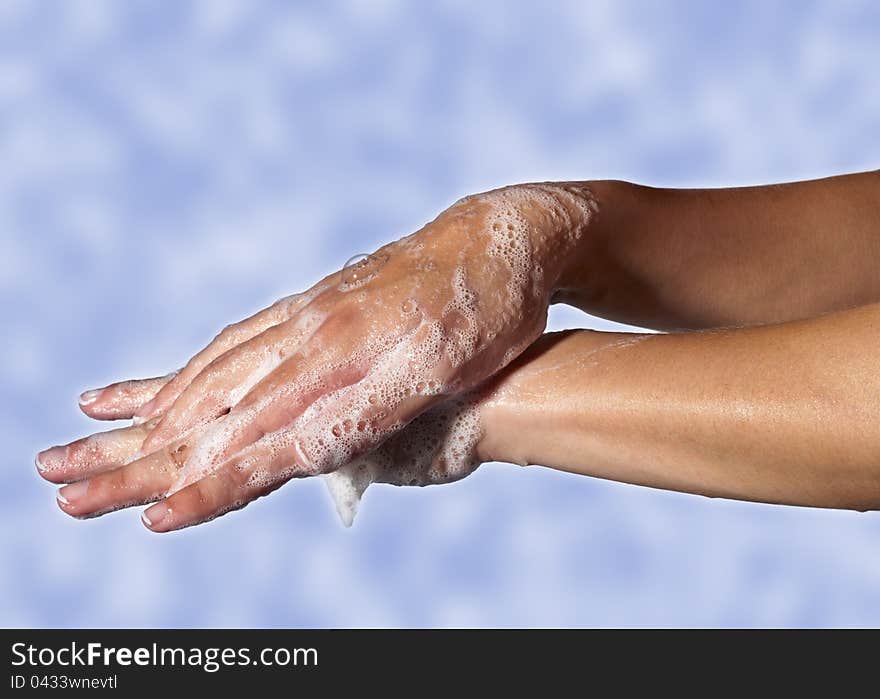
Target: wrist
(498,441)
(521,424)
(557,220)
(513,404)
(614,208)
(560,217)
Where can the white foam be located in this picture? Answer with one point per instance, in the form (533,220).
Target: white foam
(437,447)
(347,485)
(442,334)
(359,270)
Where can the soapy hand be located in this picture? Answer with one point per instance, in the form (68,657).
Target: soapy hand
(318,380)
(107,471)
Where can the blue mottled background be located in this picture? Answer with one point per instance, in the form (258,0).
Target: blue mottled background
(166,168)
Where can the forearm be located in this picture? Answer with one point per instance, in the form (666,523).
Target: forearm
(787,413)
(677,259)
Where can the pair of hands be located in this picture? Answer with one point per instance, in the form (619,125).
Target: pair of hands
(373,374)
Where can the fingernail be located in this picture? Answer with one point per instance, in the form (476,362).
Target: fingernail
(51,459)
(155,514)
(71,493)
(90,397)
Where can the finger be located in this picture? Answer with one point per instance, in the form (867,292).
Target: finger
(86,457)
(324,390)
(405,380)
(303,449)
(120,401)
(230,377)
(256,472)
(318,441)
(346,420)
(144,480)
(353,423)
(230,337)
(276,402)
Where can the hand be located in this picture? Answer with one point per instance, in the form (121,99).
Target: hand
(320,378)
(439,446)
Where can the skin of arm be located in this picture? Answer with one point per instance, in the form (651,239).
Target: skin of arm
(674,259)
(259,404)
(786,413)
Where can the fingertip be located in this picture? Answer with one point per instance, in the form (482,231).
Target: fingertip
(91,410)
(49,464)
(156,518)
(90,403)
(54,478)
(86,398)
(71,499)
(66,506)
(125,399)
(146,520)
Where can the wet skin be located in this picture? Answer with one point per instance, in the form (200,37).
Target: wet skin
(335,376)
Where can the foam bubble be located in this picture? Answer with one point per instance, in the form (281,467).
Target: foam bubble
(360,269)
(437,447)
(346,486)
(428,354)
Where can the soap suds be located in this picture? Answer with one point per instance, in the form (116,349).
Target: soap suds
(360,270)
(437,447)
(447,340)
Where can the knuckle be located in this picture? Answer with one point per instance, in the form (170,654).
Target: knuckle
(238,476)
(102,488)
(175,456)
(191,500)
(227,333)
(125,479)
